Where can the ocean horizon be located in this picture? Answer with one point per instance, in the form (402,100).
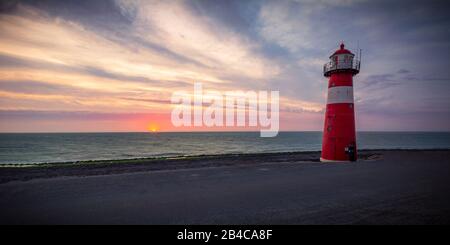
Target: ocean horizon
(33,148)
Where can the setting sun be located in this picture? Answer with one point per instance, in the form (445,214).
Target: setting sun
(153,127)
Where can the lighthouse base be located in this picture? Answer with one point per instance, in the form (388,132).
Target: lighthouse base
(337,161)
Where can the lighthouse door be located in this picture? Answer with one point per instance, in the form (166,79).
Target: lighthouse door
(331,135)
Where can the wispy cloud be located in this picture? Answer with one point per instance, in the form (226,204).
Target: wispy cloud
(127,56)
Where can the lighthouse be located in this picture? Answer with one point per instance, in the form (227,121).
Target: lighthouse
(339,135)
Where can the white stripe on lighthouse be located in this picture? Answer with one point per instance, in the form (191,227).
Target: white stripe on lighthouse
(340,94)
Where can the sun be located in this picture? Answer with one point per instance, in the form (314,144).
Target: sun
(153,127)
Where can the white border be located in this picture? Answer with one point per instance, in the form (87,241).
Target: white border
(326,160)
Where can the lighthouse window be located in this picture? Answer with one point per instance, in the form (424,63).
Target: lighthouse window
(329,128)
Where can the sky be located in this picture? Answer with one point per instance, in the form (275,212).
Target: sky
(107,66)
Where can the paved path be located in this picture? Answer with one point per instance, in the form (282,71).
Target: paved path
(401,188)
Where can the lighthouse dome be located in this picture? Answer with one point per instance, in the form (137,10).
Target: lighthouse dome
(342,50)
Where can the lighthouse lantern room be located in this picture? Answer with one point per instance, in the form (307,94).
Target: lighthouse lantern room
(339,135)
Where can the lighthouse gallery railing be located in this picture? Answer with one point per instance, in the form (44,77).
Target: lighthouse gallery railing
(332,66)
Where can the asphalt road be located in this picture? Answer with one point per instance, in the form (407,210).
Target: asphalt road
(400,188)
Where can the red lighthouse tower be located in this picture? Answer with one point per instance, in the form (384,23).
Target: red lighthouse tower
(339,136)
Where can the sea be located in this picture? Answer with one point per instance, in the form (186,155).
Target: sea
(32,148)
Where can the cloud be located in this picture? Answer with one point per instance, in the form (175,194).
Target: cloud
(380,81)
(128,56)
(403,71)
(65,115)
(76,58)
(305,26)
(174,26)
